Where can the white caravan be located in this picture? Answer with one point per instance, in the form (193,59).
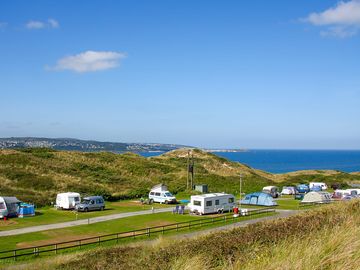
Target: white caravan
(211,203)
(67,200)
(161,194)
(318,184)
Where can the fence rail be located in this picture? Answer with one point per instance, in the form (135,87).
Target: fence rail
(97,240)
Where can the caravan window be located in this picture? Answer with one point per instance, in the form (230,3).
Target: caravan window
(198,203)
(231,200)
(217,202)
(157,194)
(77,199)
(209,203)
(2,205)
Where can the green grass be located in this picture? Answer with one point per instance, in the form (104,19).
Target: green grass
(49,215)
(102,228)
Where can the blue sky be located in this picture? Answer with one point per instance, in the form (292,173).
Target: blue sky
(218,74)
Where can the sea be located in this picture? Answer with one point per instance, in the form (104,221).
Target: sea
(282,161)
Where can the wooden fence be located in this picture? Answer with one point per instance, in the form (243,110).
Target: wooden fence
(54,248)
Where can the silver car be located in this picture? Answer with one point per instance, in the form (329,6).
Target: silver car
(91,203)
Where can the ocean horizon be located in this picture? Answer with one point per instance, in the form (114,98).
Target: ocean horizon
(283,161)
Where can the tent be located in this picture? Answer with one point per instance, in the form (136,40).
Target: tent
(259,198)
(317,197)
(26,210)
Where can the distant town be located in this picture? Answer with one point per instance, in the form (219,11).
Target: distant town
(84,145)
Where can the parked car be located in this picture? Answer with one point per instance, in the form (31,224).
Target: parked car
(91,203)
(288,191)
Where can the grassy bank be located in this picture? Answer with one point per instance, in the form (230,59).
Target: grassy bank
(322,231)
(37,175)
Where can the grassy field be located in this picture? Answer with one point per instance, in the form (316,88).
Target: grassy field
(329,240)
(49,215)
(103,228)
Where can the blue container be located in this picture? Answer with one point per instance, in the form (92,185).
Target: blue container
(26,210)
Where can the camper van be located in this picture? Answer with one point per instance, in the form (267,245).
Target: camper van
(161,194)
(67,200)
(272,190)
(211,203)
(313,185)
(9,207)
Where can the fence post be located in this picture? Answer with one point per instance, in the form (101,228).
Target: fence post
(189,225)
(117,238)
(80,244)
(212,220)
(14,255)
(99,240)
(162,229)
(148,232)
(55,248)
(177,227)
(134,234)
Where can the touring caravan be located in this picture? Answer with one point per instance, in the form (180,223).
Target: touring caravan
(313,185)
(272,190)
(211,203)
(161,194)
(288,191)
(9,206)
(67,200)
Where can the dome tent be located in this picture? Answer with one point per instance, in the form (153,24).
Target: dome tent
(259,198)
(317,197)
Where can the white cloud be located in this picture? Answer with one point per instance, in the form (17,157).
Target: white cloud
(53,23)
(50,23)
(342,21)
(90,61)
(35,25)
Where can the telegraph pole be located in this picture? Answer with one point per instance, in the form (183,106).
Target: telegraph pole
(241,176)
(188,167)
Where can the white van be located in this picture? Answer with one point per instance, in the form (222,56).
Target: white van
(318,184)
(161,194)
(211,203)
(67,200)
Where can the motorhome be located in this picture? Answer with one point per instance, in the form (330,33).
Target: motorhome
(161,194)
(9,207)
(67,200)
(313,185)
(272,190)
(211,203)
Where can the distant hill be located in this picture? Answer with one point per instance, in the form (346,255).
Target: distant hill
(38,174)
(84,145)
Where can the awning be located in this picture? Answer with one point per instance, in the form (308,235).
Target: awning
(9,200)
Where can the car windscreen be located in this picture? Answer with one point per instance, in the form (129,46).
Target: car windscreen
(85,202)
(168,194)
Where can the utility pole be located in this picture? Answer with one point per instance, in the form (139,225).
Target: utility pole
(241,176)
(188,166)
(190,171)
